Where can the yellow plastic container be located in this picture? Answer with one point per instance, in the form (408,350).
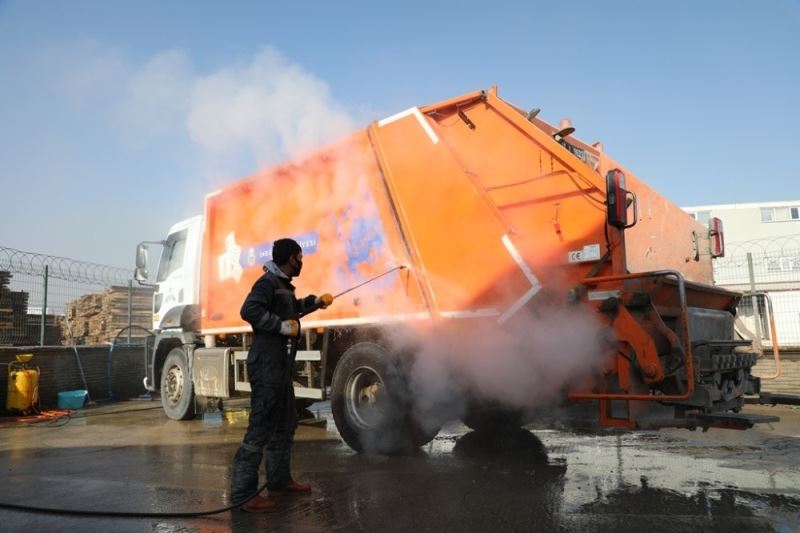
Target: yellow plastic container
(23,385)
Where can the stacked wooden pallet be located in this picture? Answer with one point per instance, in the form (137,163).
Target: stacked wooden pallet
(97,318)
(13,312)
(52,329)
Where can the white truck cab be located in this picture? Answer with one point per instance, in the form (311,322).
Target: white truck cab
(179,362)
(177,278)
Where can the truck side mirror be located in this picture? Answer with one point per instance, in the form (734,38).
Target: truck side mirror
(140,274)
(716,237)
(618,198)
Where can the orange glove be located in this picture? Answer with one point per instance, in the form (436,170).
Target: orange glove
(325,300)
(290,328)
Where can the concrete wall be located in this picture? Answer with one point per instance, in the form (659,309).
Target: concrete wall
(59,371)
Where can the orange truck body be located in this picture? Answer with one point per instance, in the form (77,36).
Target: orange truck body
(492,213)
(484,206)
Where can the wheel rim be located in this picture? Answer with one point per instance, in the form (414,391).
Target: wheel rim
(173,384)
(365,398)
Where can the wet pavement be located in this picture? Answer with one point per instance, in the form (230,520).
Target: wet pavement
(129,457)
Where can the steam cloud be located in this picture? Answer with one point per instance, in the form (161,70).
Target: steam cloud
(237,118)
(524,364)
(270,107)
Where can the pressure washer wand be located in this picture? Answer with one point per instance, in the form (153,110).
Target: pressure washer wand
(401,267)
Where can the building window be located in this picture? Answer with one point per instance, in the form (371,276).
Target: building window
(703,217)
(779,214)
(784,264)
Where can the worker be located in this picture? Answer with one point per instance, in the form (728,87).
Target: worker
(273,311)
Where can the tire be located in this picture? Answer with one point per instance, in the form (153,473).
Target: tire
(493,418)
(371,405)
(177,391)
(514,446)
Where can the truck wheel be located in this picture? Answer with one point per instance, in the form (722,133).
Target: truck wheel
(177,392)
(370,403)
(493,418)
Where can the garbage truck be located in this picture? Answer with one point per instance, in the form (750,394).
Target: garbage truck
(464,212)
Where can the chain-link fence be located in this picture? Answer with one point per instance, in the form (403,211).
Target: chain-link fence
(768,272)
(51,301)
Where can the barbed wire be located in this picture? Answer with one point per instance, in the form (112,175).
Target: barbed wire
(762,250)
(31,263)
(771,245)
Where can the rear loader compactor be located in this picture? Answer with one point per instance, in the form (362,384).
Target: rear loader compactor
(492,213)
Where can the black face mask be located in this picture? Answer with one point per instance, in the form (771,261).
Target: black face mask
(297,265)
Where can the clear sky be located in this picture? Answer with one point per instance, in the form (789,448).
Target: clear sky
(117,117)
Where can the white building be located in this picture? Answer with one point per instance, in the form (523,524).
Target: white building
(769,233)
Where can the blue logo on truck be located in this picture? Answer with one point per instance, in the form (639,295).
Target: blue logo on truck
(364,243)
(262,253)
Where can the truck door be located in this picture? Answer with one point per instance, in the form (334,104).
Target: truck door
(172,276)
(177,276)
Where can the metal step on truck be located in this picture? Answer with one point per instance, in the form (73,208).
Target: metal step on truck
(495,215)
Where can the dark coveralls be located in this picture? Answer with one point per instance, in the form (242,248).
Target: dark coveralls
(270,364)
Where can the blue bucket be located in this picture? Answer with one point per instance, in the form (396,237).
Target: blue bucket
(72,399)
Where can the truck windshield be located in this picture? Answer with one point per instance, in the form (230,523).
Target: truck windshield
(172,256)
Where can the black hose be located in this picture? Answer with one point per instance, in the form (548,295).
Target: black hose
(126,514)
(129,514)
(111,353)
(126,328)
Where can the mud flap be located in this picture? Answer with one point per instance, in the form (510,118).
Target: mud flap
(733,420)
(768,398)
